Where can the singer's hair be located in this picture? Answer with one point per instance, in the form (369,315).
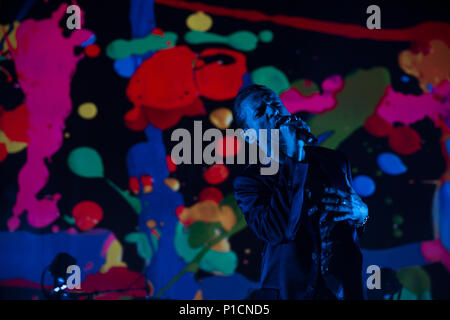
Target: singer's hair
(260,97)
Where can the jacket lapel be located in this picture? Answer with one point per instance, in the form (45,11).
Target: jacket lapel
(330,168)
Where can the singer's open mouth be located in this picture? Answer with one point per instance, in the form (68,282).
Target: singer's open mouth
(303,130)
(190,149)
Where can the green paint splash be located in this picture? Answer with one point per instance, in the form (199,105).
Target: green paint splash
(241,40)
(416,280)
(272,78)
(85,162)
(357,101)
(142,244)
(69,219)
(134,202)
(120,48)
(200,232)
(266,36)
(194,265)
(305,87)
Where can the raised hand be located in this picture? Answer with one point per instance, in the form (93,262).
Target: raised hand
(288,140)
(345,205)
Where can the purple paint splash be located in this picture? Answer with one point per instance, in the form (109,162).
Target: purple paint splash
(45,63)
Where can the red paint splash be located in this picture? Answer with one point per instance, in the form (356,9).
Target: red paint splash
(218,81)
(92,50)
(165,80)
(228,146)
(87,215)
(136,119)
(404,140)
(130,284)
(185,221)
(23,283)
(377,126)
(163,119)
(216,174)
(147,183)
(179,210)
(167,86)
(210,193)
(134,185)
(421,33)
(3,152)
(171,165)
(163,90)
(14,123)
(158,32)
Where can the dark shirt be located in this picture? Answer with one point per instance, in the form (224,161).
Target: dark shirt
(305,256)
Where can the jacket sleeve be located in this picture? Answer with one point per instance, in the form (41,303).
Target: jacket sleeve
(267,201)
(359,229)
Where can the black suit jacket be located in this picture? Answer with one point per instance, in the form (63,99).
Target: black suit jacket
(305,256)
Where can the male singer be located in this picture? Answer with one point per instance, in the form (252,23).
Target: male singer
(307,214)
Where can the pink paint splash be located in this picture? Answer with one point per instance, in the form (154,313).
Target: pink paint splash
(89,265)
(317,102)
(45,63)
(111,238)
(408,108)
(434,251)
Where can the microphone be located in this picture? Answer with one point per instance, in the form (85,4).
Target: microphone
(302,132)
(306,136)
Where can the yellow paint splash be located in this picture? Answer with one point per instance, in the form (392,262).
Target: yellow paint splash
(151,223)
(198,295)
(11,36)
(113,257)
(12,146)
(172,183)
(222,246)
(209,211)
(87,110)
(199,21)
(221,118)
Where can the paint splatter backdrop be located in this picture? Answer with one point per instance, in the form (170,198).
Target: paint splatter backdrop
(86,118)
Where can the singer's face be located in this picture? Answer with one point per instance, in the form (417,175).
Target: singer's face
(261,116)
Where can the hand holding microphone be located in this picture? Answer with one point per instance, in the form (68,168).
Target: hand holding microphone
(294,134)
